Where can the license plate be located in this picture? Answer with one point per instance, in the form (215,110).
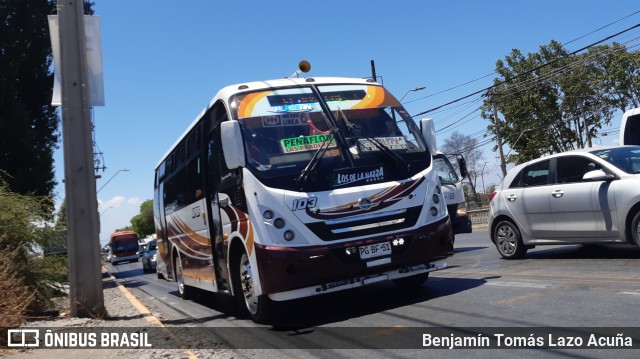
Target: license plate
(375,250)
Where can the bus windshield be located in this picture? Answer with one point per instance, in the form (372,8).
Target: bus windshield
(124,243)
(355,127)
(445,170)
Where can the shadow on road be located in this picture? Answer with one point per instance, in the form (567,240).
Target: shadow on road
(592,251)
(467,249)
(339,307)
(334,307)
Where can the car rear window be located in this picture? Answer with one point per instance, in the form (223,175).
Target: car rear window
(536,174)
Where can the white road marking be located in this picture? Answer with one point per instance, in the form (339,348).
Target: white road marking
(517,284)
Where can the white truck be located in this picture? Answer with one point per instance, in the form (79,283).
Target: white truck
(450,181)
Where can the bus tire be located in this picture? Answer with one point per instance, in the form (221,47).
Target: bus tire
(186,292)
(412,282)
(247,303)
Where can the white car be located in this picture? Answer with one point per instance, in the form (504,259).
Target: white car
(589,196)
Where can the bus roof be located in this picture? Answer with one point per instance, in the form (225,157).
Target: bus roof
(226,92)
(123,233)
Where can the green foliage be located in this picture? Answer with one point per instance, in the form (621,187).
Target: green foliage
(28,123)
(552,101)
(61,216)
(142,223)
(24,232)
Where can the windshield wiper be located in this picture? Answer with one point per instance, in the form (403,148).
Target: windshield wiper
(304,174)
(395,158)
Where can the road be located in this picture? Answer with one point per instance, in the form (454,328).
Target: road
(553,286)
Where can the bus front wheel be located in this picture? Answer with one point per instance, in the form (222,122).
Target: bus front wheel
(247,302)
(184,290)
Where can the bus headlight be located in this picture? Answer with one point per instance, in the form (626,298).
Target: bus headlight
(279,223)
(433,211)
(435,198)
(268,214)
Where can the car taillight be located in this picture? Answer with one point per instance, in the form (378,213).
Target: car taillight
(492,195)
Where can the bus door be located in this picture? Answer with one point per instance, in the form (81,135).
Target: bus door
(163,263)
(212,150)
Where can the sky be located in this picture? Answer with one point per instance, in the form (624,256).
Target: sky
(163,62)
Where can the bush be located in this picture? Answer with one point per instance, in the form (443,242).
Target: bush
(25,233)
(16,296)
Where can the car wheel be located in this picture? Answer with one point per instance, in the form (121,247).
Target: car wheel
(508,240)
(247,302)
(412,282)
(635,228)
(185,291)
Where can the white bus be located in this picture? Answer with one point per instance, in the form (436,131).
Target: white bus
(451,183)
(630,128)
(297,187)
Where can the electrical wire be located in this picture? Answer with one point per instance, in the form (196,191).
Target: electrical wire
(530,71)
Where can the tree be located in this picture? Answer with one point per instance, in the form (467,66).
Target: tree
(142,223)
(552,101)
(468,147)
(28,123)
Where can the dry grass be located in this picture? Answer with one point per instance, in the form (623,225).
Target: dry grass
(16,295)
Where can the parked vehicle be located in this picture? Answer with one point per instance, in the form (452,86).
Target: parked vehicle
(577,197)
(149,256)
(123,247)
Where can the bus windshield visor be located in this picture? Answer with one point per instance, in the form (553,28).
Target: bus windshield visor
(282,128)
(374,121)
(326,128)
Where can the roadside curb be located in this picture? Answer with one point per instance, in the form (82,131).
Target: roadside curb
(144,311)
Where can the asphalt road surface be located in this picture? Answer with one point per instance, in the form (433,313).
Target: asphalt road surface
(553,286)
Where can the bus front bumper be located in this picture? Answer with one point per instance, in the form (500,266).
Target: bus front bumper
(293,272)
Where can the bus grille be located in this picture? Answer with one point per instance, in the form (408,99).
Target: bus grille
(363,225)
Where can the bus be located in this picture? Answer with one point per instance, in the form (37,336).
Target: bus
(450,182)
(630,127)
(297,187)
(123,247)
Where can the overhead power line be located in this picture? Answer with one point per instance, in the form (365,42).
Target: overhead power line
(493,73)
(530,71)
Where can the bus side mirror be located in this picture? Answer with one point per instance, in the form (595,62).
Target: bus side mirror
(232,144)
(462,165)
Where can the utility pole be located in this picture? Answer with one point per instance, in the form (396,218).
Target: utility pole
(587,132)
(85,277)
(496,120)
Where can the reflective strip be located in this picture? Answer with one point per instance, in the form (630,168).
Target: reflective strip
(367,226)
